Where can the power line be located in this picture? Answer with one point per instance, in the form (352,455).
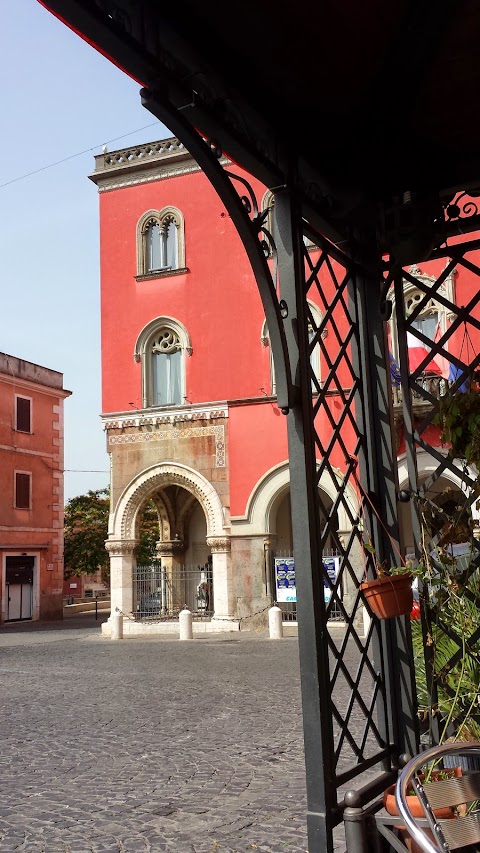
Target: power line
(72,156)
(84,471)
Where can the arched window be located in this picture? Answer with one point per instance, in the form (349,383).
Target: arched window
(161,349)
(268,203)
(431,321)
(166,356)
(160,243)
(313,325)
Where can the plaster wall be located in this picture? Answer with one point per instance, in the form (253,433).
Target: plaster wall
(36,531)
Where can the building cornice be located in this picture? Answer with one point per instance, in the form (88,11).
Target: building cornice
(33,385)
(140,164)
(147,417)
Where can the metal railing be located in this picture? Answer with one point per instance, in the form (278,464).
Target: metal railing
(161,592)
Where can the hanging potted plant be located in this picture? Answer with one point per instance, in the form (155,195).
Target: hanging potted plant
(390,593)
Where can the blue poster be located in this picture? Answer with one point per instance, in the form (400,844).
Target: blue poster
(331,566)
(285,579)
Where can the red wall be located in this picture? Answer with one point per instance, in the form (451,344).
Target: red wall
(217,299)
(257,440)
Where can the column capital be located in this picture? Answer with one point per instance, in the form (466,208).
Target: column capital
(170,547)
(218,544)
(121,547)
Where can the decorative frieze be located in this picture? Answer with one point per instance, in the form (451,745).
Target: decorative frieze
(218,432)
(170,417)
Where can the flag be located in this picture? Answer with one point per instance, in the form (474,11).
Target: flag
(394,371)
(448,370)
(455,372)
(443,363)
(417,354)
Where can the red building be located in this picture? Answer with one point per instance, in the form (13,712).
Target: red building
(31,494)
(189,404)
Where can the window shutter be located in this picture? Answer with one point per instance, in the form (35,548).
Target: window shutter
(22,491)
(23,415)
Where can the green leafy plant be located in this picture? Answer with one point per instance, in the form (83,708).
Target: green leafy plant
(448,687)
(382,570)
(458,417)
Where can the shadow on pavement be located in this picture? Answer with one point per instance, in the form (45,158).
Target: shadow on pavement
(74,621)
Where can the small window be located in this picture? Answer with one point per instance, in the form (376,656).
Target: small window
(314,321)
(160,246)
(160,242)
(166,373)
(22,490)
(426,315)
(23,414)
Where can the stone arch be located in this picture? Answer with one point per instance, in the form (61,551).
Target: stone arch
(165,516)
(185,513)
(276,482)
(428,464)
(124,525)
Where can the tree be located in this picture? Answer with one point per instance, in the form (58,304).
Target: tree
(149,533)
(86,529)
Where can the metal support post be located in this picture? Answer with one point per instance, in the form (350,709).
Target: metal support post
(314,665)
(356,839)
(379,474)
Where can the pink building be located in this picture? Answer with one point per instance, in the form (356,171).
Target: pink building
(31,493)
(189,392)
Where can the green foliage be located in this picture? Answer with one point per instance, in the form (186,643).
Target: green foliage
(149,533)
(451,598)
(86,529)
(458,416)
(383,571)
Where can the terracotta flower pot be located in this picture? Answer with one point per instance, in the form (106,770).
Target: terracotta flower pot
(416,810)
(388,596)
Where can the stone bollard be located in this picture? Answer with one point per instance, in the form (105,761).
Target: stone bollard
(186,624)
(117,625)
(275,623)
(366,621)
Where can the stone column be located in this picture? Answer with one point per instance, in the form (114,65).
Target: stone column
(222,577)
(170,553)
(122,560)
(269,546)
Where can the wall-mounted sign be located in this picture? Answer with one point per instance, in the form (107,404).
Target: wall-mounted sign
(331,566)
(285,577)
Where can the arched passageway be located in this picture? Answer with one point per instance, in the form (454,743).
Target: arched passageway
(187,512)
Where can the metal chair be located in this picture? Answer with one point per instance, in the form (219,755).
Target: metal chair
(461,793)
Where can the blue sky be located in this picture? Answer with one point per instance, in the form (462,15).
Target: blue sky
(59,98)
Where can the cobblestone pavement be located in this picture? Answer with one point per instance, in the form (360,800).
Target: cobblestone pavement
(147,745)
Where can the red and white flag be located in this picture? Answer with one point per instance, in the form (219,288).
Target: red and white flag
(417,353)
(442,362)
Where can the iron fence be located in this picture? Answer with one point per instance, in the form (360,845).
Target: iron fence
(161,592)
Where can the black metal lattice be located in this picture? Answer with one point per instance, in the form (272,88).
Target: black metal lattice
(443,493)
